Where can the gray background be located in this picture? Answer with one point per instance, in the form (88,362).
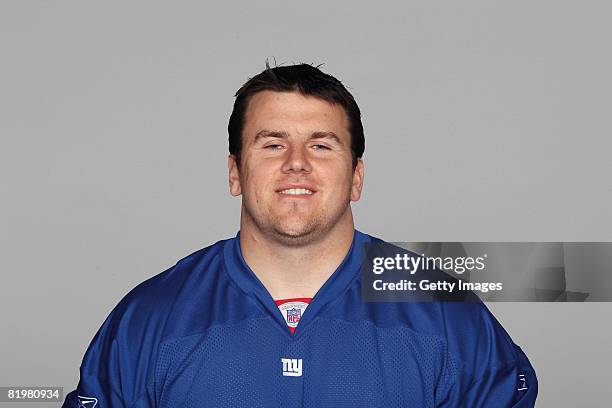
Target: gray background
(485,121)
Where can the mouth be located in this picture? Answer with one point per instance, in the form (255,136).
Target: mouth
(296,191)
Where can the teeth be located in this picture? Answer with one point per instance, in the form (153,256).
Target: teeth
(296,191)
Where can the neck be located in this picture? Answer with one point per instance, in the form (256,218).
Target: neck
(289,271)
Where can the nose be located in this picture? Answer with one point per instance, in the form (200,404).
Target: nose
(297,160)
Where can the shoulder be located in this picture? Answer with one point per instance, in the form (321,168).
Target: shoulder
(146,308)
(162,288)
(473,336)
(127,342)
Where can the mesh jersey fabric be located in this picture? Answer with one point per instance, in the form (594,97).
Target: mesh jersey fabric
(206,333)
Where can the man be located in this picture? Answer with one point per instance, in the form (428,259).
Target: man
(273,317)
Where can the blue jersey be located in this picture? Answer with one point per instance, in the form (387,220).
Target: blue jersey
(207,333)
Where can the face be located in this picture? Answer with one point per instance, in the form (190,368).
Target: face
(296,176)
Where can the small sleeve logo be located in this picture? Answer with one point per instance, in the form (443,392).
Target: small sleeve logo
(522,383)
(87,402)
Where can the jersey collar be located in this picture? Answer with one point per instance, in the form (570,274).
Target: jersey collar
(336,284)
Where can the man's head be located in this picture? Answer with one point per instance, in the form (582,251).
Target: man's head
(296,142)
(308,81)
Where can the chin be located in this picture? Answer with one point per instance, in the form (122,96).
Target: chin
(297,234)
(294,231)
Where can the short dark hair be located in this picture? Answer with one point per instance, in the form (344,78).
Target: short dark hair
(307,80)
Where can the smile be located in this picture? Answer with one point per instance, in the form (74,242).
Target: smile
(296,191)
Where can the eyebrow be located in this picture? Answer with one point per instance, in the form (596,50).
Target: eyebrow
(283,135)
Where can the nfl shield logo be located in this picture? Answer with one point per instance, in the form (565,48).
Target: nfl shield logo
(294,315)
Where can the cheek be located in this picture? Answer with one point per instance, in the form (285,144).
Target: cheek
(258,179)
(338,175)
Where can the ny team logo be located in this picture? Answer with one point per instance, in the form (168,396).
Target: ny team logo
(292,367)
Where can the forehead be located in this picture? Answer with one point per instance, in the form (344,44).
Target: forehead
(294,113)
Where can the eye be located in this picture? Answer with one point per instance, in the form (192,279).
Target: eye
(273,147)
(320,147)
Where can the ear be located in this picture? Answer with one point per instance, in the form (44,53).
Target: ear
(357,184)
(234,176)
